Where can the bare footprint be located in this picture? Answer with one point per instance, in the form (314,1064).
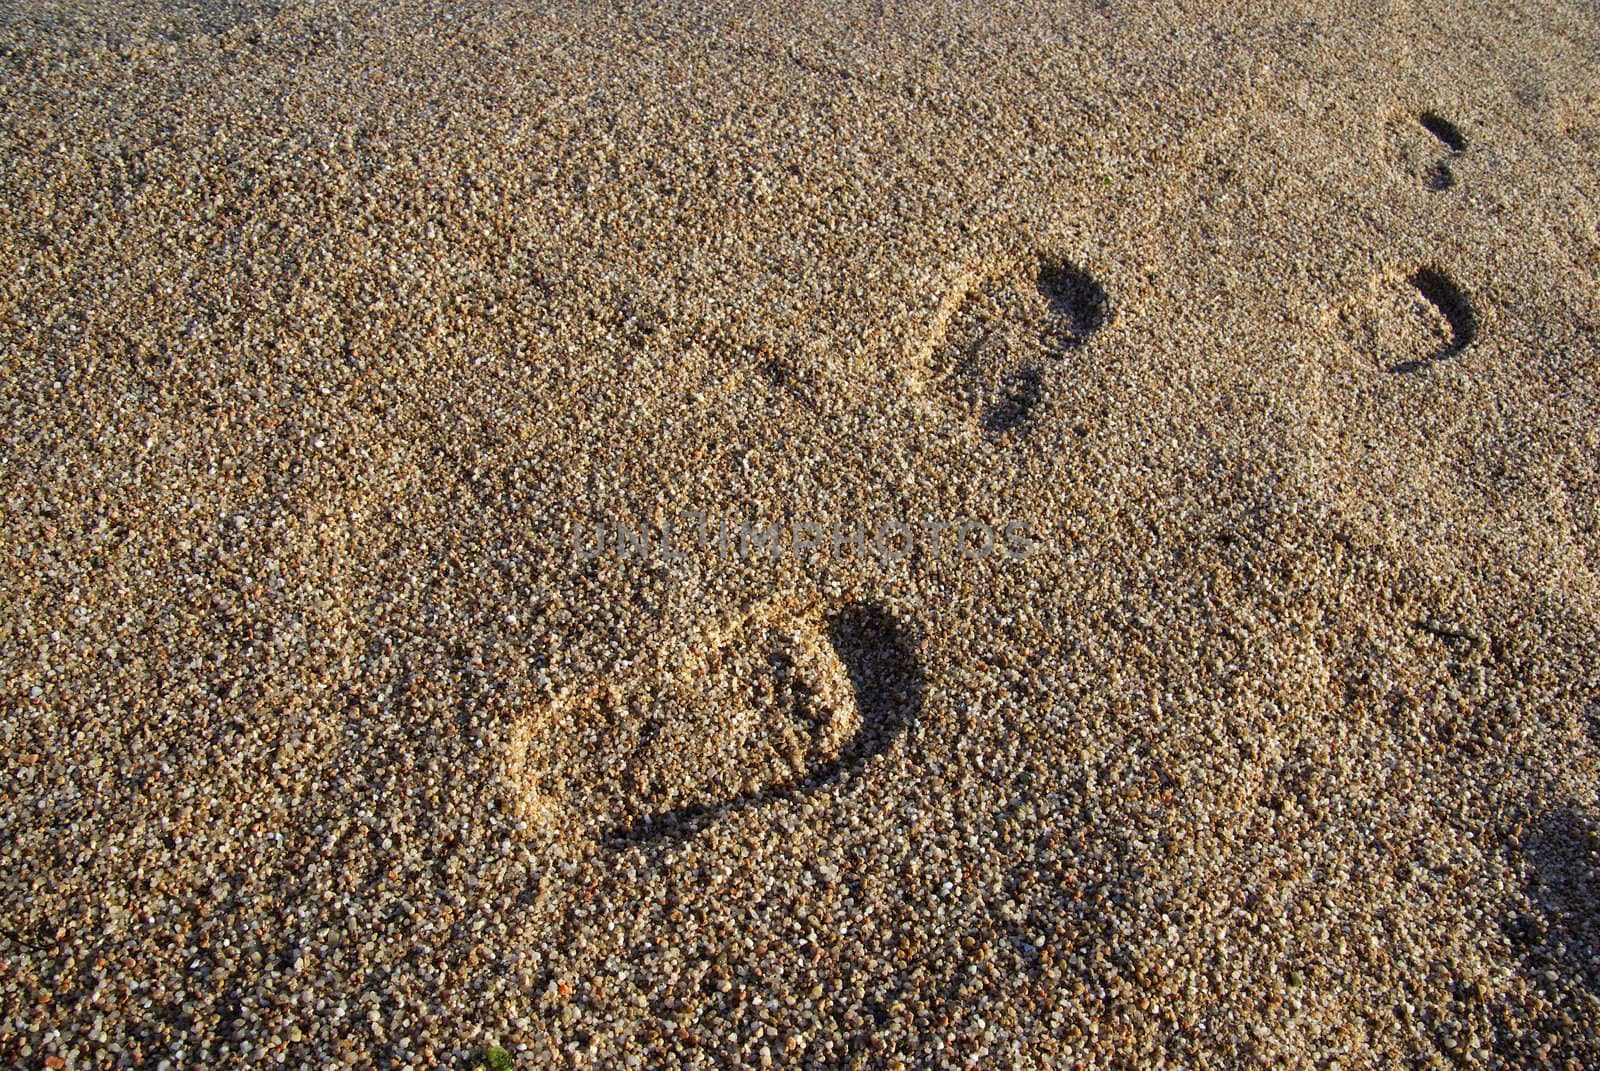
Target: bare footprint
(784,701)
(1410,321)
(1419,154)
(990,357)
(1440,176)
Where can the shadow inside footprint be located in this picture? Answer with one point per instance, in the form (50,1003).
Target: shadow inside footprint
(1444,295)
(1077,303)
(1564,932)
(887,680)
(1556,933)
(994,355)
(1441,176)
(1010,412)
(881,660)
(1444,130)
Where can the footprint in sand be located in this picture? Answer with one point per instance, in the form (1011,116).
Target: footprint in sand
(1554,935)
(991,355)
(786,700)
(1410,321)
(1440,176)
(1415,140)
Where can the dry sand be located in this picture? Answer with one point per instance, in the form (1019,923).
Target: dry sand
(327,326)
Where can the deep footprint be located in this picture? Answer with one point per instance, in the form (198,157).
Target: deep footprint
(1445,296)
(887,685)
(1076,299)
(990,363)
(786,702)
(1404,322)
(1444,130)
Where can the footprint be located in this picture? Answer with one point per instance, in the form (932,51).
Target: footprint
(1444,130)
(1440,176)
(1408,322)
(785,701)
(1013,409)
(989,357)
(1077,301)
(1450,304)
(1554,935)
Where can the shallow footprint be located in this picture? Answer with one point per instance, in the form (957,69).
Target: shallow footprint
(1413,148)
(989,362)
(783,702)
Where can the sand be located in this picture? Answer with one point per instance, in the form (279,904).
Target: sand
(350,350)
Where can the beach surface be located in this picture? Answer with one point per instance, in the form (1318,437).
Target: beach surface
(818,535)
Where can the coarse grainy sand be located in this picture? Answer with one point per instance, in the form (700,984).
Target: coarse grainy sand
(831,535)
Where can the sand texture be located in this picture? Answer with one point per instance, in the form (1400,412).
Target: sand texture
(1215,681)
